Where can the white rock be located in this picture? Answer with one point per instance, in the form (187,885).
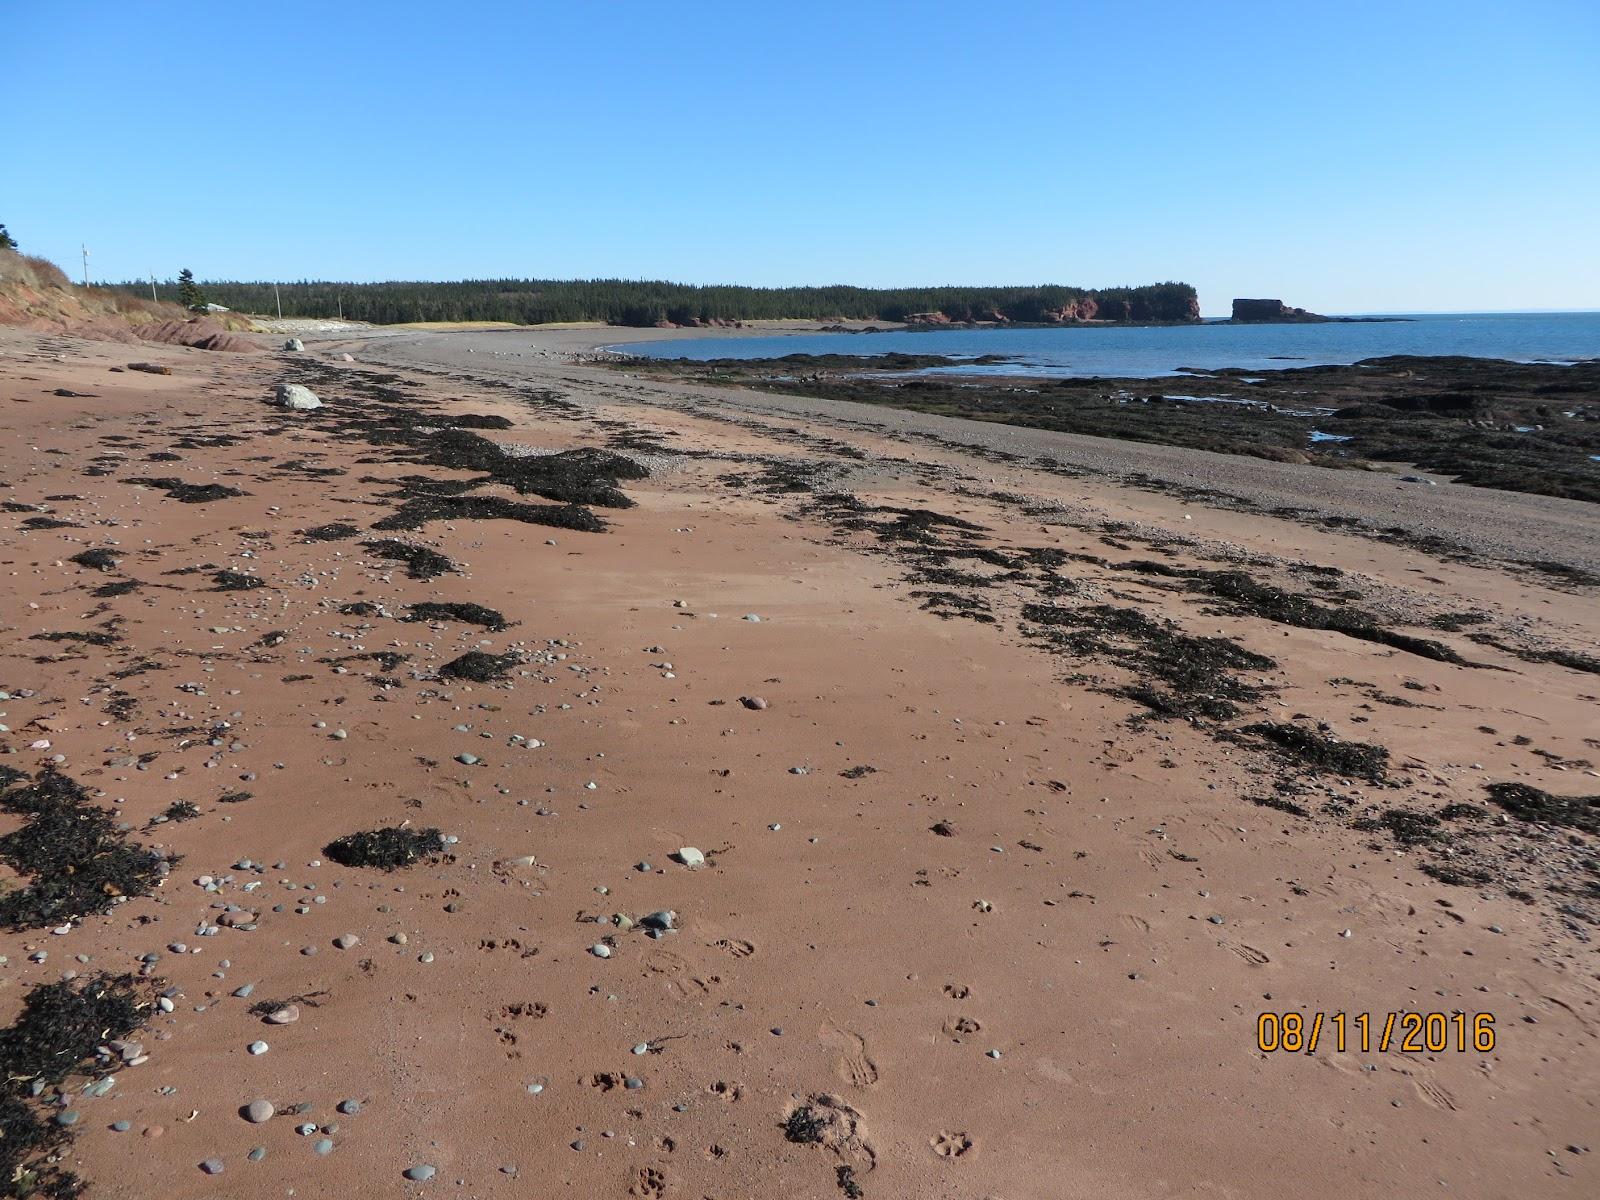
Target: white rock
(691,857)
(295,397)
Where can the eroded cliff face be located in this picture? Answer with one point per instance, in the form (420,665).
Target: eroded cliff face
(35,295)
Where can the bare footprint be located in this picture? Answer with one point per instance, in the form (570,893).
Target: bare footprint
(951,1145)
(855,1066)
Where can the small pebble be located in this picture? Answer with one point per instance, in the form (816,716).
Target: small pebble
(420,1174)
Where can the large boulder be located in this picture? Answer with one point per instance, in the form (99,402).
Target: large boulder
(295,397)
(294,344)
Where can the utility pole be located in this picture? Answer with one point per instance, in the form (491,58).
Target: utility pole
(279,300)
(341,306)
(153,287)
(85,265)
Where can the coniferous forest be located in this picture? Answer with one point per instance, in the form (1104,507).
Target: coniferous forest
(647,302)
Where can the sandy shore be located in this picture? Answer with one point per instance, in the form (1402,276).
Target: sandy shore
(973,922)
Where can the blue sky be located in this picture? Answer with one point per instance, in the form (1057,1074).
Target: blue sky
(1409,155)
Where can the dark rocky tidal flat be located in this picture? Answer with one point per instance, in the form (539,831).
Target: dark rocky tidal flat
(1525,427)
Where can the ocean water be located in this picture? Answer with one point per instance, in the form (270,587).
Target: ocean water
(1147,352)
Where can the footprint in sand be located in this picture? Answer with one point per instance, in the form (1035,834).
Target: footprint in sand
(956,991)
(1138,924)
(736,947)
(1256,958)
(958,1027)
(855,1067)
(951,1145)
(649,1182)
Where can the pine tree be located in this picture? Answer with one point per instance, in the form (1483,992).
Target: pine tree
(7,242)
(189,293)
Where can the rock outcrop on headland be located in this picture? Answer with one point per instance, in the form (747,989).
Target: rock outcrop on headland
(1260,311)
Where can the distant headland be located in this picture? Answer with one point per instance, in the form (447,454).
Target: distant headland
(659,304)
(1276,312)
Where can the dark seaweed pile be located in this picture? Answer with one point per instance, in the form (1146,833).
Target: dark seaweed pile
(189,493)
(469,614)
(236,581)
(96,560)
(59,1032)
(336,531)
(1240,593)
(420,562)
(76,860)
(385,849)
(475,666)
(1531,804)
(1180,674)
(1318,752)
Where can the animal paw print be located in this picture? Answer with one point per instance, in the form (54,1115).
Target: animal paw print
(736,947)
(951,1145)
(649,1183)
(731,1092)
(957,1028)
(956,991)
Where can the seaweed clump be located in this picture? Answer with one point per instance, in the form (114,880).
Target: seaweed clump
(1357,760)
(189,493)
(336,531)
(430,506)
(99,559)
(59,1033)
(804,1126)
(386,849)
(470,614)
(1242,593)
(420,562)
(1180,674)
(120,587)
(77,860)
(1533,804)
(236,581)
(476,666)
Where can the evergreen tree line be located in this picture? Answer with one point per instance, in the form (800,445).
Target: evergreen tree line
(646,302)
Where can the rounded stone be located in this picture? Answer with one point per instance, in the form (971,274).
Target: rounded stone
(258,1111)
(323,1145)
(421,1173)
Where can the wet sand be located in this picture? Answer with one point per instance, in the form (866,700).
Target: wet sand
(1021,956)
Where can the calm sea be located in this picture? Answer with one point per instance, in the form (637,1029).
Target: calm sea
(1163,350)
